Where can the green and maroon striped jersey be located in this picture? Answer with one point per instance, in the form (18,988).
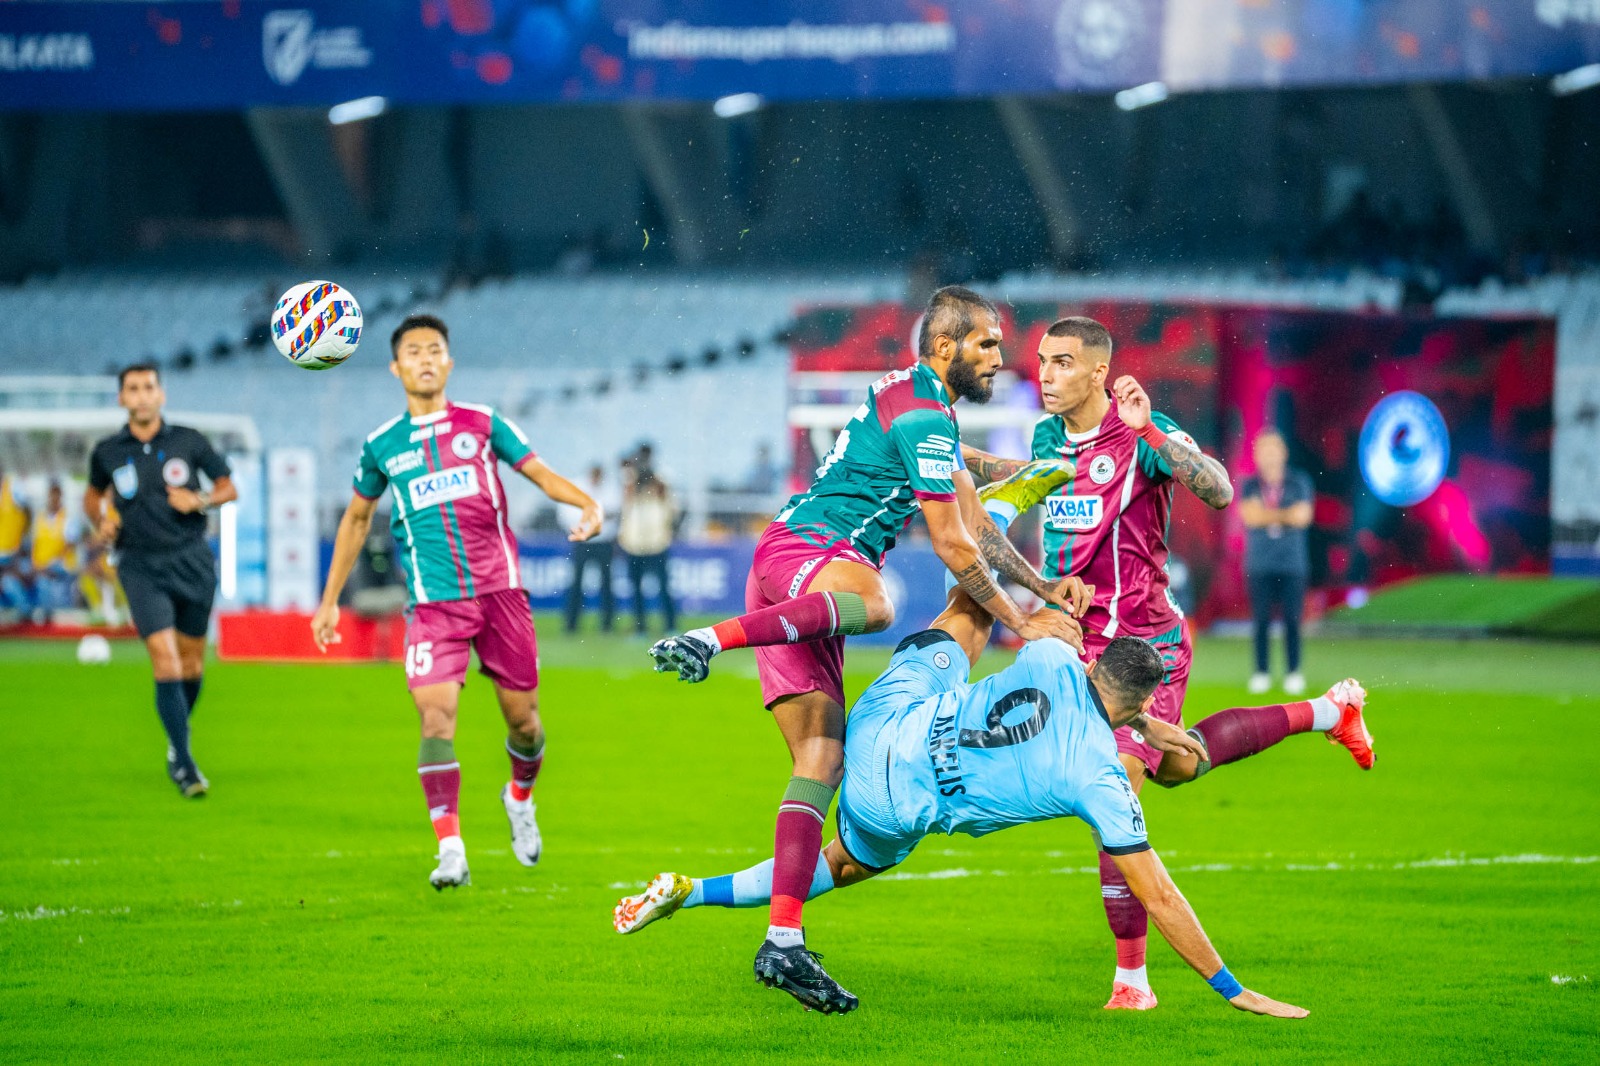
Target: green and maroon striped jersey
(449,506)
(901,446)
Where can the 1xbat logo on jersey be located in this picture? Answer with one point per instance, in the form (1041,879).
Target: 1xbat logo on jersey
(1073,514)
(455,483)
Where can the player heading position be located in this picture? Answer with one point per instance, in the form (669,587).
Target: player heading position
(927,752)
(816,580)
(1108,525)
(158,526)
(439,462)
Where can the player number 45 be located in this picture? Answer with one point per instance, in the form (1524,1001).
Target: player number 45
(419,659)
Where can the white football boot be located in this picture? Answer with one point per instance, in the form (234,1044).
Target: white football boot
(525,840)
(452,870)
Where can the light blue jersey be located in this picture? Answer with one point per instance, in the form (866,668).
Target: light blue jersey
(927,752)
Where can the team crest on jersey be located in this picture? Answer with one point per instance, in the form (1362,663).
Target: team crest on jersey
(465,445)
(434,489)
(941,660)
(126,479)
(1102,468)
(1073,514)
(175,473)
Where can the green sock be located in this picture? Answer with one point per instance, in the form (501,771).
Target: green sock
(852,613)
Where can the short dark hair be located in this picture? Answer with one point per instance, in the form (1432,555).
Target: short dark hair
(137,368)
(949,314)
(417,321)
(1087,330)
(1129,670)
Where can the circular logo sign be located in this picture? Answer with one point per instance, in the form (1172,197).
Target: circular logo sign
(941,660)
(1102,468)
(1405,448)
(175,472)
(465,445)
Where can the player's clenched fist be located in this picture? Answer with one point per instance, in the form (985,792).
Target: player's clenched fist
(1256,1003)
(1133,406)
(325,626)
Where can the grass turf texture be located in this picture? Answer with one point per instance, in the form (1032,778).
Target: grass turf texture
(1565,608)
(288,916)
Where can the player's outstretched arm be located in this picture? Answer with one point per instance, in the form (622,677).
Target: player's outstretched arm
(1070,593)
(561,490)
(1193,469)
(353,529)
(957,550)
(1149,880)
(99,516)
(989,467)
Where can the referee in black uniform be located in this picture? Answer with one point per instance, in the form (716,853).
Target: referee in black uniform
(157,520)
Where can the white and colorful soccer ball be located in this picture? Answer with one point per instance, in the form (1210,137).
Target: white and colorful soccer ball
(316,325)
(94,650)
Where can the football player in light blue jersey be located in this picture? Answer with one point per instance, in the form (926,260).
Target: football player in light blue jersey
(928,752)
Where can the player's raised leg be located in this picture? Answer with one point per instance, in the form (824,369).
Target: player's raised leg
(440,775)
(671,892)
(822,609)
(1240,732)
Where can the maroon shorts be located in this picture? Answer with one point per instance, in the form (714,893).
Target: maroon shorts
(499,625)
(784,566)
(1177,651)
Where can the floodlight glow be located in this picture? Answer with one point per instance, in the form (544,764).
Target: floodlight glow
(357,110)
(1151,92)
(736,105)
(1575,81)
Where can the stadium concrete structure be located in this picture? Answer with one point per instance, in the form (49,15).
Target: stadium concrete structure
(703,227)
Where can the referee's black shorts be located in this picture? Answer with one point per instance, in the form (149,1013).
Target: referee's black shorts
(168,590)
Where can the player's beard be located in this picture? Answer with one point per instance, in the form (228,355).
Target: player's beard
(964,381)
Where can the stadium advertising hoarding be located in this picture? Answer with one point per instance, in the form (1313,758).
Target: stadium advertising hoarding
(1428,439)
(215,54)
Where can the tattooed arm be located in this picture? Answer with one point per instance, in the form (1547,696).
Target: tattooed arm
(1070,594)
(956,548)
(1193,469)
(990,467)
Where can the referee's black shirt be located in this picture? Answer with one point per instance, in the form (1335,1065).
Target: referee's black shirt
(140,472)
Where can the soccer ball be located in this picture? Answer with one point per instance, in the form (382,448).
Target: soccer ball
(94,650)
(316,325)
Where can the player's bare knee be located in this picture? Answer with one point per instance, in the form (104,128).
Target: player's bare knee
(880,612)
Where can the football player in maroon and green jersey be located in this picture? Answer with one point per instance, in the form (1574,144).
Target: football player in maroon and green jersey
(1108,524)
(439,461)
(816,580)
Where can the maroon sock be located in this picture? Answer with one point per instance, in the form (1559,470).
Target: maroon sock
(804,618)
(1240,732)
(794,853)
(524,770)
(1129,921)
(441,784)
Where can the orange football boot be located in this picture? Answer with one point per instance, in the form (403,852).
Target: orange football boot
(1352,728)
(1126,997)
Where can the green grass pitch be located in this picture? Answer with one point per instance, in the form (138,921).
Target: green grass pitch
(1420,911)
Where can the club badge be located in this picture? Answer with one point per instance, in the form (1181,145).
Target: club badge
(465,445)
(1102,468)
(175,473)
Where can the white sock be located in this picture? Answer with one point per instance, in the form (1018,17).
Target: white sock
(1324,714)
(707,637)
(1137,978)
(784,937)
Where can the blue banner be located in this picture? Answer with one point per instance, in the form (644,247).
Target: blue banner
(225,54)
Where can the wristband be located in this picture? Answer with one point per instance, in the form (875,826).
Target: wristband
(1225,984)
(1152,435)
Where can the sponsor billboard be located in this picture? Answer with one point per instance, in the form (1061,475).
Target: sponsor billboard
(216,54)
